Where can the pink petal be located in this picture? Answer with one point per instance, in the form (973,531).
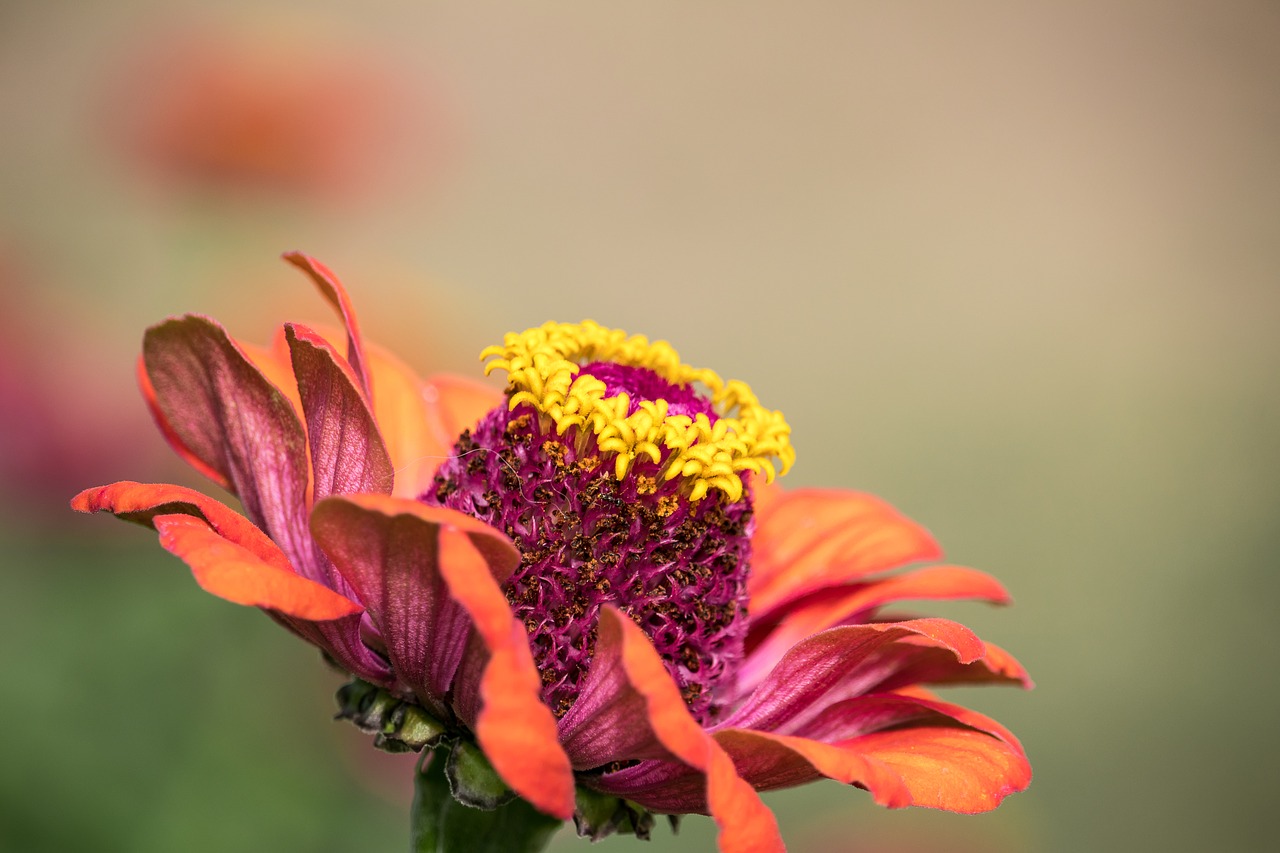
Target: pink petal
(609,718)
(347,453)
(843,662)
(332,290)
(746,824)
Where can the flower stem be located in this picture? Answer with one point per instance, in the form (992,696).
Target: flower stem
(441,824)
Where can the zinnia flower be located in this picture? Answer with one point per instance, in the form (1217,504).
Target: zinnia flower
(588,582)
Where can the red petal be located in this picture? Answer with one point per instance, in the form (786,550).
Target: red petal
(516,731)
(936,666)
(229,571)
(347,453)
(238,423)
(336,294)
(746,824)
(389,553)
(810,539)
(836,606)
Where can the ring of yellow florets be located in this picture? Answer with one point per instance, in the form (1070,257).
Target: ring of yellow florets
(543,364)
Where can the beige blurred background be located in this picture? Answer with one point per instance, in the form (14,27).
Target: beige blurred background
(1012,266)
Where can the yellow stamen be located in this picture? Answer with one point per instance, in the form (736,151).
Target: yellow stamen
(543,364)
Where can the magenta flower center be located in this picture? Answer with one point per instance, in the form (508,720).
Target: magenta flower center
(677,567)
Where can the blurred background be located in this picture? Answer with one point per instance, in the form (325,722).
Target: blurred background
(1011,266)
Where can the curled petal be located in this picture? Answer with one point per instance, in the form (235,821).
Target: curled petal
(609,718)
(516,731)
(333,291)
(839,605)
(388,550)
(142,502)
(811,538)
(179,446)
(247,572)
(905,750)
(746,824)
(847,661)
(237,423)
(229,571)
(347,453)
(955,769)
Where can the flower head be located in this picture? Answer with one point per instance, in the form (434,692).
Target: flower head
(591,577)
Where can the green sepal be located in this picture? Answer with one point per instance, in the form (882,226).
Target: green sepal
(397,725)
(441,824)
(600,815)
(473,780)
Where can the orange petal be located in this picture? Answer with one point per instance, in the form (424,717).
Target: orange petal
(142,502)
(746,824)
(959,770)
(275,364)
(810,539)
(401,409)
(515,729)
(229,571)
(455,404)
(780,761)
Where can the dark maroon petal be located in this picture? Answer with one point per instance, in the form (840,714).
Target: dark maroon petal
(661,785)
(391,559)
(241,426)
(332,290)
(347,453)
(392,563)
(843,662)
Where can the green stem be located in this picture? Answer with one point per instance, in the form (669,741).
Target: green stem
(441,824)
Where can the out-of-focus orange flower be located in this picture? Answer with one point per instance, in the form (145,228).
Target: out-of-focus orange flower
(232,116)
(589,577)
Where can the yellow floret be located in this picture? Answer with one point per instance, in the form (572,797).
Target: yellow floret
(542,366)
